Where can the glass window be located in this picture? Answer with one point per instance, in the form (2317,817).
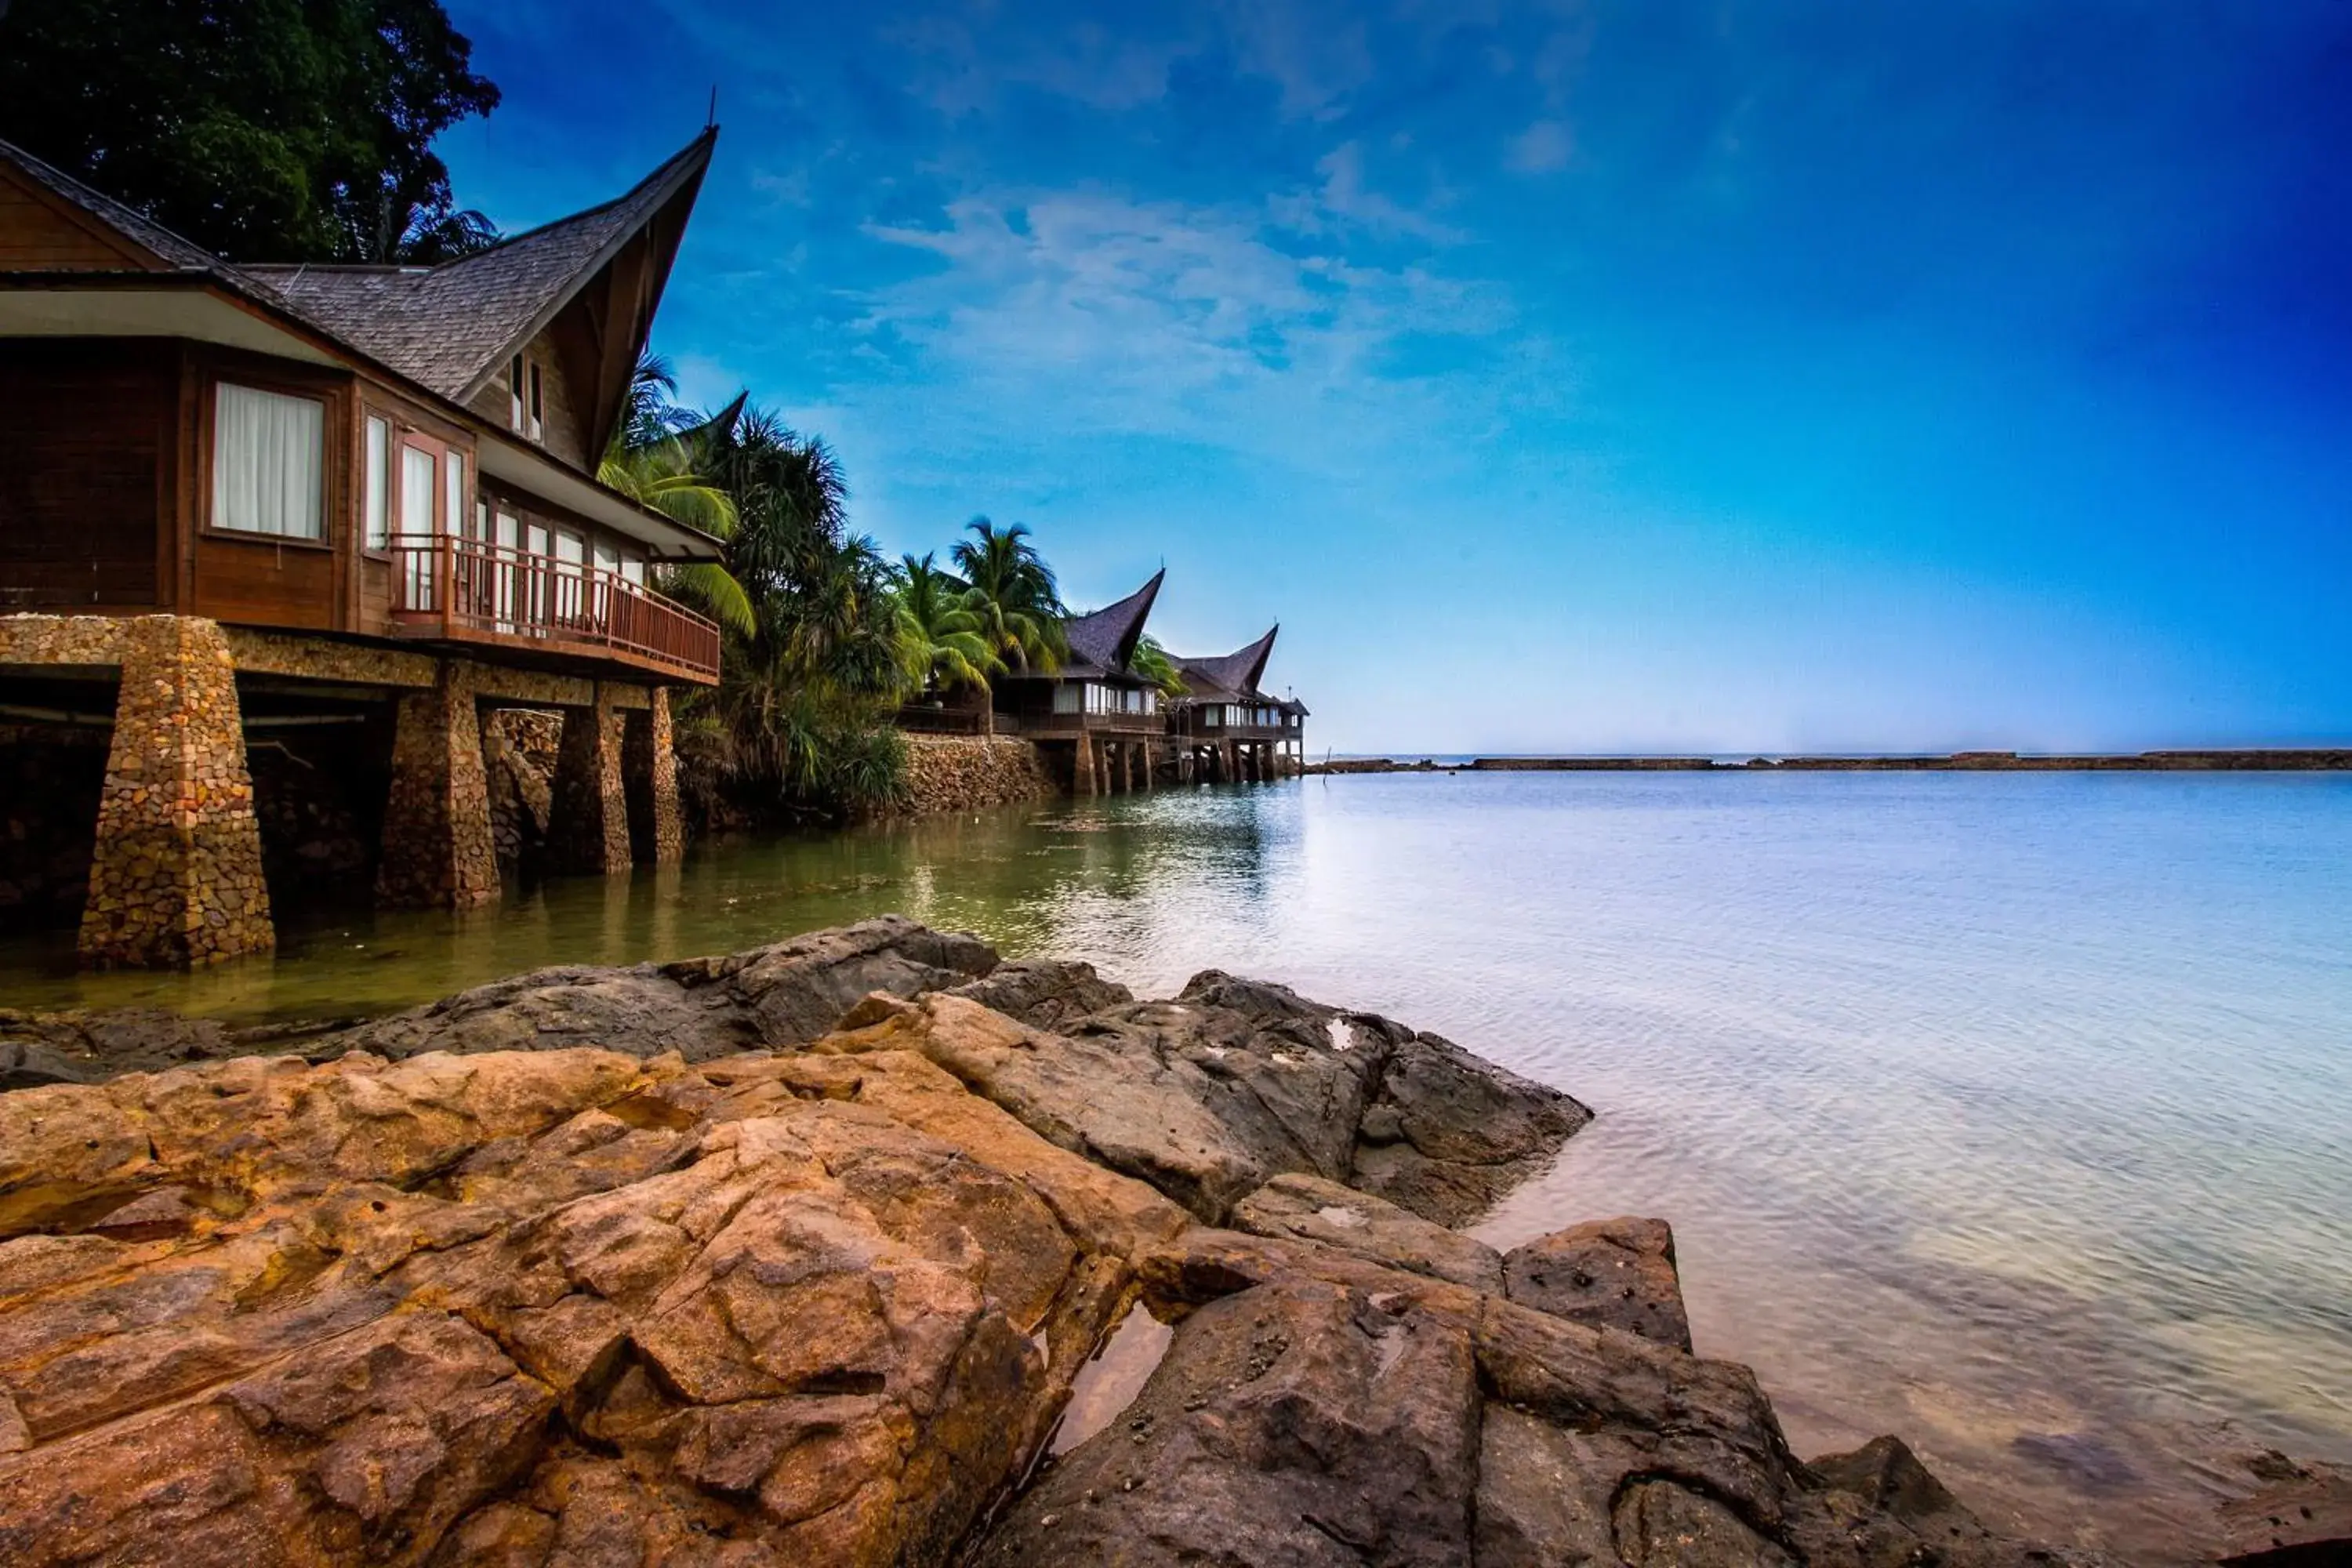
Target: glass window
(417,479)
(453,514)
(534,420)
(571,552)
(514,392)
(1068,698)
(269,462)
(378,503)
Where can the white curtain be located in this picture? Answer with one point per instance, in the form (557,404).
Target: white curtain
(269,462)
(417,482)
(378,482)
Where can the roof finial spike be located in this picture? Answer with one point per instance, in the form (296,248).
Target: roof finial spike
(712,118)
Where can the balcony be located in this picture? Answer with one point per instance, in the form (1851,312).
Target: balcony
(1190,726)
(1069,726)
(464,590)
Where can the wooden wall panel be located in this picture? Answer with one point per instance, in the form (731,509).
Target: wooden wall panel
(36,236)
(259,582)
(560,433)
(84,428)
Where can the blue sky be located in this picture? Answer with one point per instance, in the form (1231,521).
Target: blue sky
(1641,376)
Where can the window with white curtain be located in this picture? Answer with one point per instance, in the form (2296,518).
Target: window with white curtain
(453,472)
(378,482)
(269,462)
(417,482)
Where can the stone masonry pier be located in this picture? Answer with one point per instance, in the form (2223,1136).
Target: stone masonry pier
(177,876)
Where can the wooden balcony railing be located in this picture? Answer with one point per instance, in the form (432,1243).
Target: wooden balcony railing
(1096,721)
(467,590)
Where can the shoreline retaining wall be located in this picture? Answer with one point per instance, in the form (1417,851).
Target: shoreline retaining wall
(971,772)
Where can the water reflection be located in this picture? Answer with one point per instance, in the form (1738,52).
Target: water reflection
(2011,1112)
(1113,877)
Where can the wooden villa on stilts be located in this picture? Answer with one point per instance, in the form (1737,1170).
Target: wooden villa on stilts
(327,502)
(1225,730)
(1096,716)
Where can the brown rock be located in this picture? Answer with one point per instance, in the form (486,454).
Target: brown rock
(357,1311)
(1313,1209)
(572,1306)
(1614,1272)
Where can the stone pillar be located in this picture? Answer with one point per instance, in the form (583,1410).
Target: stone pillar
(176,880)
(1149,783)
(591,829)
(438,850)
(1125,782)
(649,764)
(1082,765)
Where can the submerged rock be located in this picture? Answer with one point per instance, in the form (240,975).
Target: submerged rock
(795,1257)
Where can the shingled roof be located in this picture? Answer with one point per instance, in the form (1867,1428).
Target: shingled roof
(452,327)
(1104,642)
(1235,674)
(447,330)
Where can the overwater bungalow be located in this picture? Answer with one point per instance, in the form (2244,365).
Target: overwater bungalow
(1225,728)
(244,496)
(1095,714)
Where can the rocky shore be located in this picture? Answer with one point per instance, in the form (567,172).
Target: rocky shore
(867,1249)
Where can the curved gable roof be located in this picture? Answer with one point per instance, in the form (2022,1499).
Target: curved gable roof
(1235,674)
(451,328)
(1104,640)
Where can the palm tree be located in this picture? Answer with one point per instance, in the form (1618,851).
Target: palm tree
(648,414)
(806,692)
(1154,663)
(940,639)
(662,477)
(1014,596)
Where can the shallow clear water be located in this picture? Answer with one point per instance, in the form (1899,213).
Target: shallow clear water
(2011,1112)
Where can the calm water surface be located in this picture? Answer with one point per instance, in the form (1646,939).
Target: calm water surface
(2010,1112)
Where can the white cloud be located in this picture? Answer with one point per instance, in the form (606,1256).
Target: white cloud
(1172,318)
(1542,148)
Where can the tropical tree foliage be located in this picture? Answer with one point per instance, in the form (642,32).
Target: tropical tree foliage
(263,130)
(1154,663)
(940,644)
(657,458)
(807,692)
(1014,596)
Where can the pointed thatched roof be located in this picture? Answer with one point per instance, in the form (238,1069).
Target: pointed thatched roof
(1232,675)
(1104,642)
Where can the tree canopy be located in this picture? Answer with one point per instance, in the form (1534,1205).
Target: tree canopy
(262,130)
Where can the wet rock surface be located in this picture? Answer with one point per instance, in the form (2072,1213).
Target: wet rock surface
(1614,1273)
(1316,1407)
(1213,1094)
(794,1257)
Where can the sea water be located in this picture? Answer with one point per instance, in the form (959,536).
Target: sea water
(2011,1112)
